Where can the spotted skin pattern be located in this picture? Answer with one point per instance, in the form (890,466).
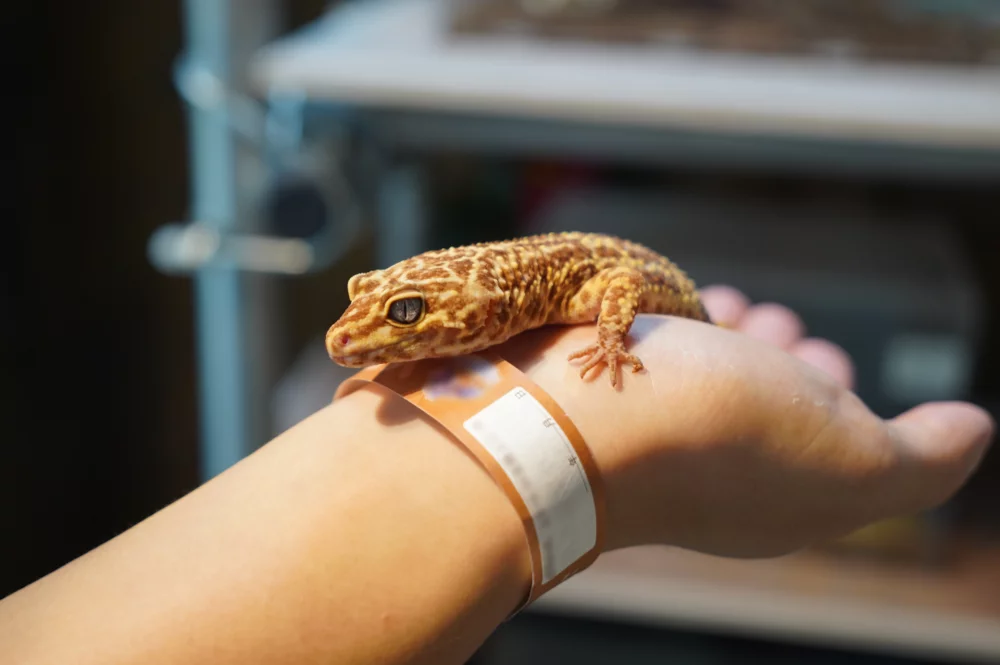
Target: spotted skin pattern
(478,296)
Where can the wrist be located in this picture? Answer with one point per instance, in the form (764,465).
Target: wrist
(467,513)
(615,425)
(526,443)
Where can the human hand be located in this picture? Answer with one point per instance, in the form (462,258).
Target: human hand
(744,439)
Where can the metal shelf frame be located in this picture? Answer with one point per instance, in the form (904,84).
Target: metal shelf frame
(231,305)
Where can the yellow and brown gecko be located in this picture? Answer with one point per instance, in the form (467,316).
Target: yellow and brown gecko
(464,299)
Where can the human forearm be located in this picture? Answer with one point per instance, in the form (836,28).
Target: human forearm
(366,535)
(344,540)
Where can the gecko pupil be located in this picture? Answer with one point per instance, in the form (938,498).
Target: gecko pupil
(406,310)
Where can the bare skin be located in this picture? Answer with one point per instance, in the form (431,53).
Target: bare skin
(704,435)
(341,541)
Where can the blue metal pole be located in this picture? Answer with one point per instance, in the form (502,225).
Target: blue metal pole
(219,34)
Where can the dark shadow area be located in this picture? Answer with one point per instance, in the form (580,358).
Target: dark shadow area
(540,639)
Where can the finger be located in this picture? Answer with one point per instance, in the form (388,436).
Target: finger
(941,445)
(725,305)
(774,324)
(828,357)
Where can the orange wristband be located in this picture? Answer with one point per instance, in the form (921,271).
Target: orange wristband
(525,441)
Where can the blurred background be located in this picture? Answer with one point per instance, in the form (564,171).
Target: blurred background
(192,183)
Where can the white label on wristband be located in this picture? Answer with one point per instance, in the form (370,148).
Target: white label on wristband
(540,461)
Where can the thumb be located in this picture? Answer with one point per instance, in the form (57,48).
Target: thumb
(940,445)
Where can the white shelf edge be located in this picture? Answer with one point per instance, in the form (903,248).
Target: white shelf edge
(666,602)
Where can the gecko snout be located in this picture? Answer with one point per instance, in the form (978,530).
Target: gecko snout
(337,343)
(346,351)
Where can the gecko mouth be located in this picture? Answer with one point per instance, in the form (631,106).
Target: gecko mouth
(351,361)
(369,357)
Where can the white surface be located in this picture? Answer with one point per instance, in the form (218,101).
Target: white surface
(678,602)
(397,53)
(540,461)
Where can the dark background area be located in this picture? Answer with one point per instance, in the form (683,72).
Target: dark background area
(99,384)
(101,387)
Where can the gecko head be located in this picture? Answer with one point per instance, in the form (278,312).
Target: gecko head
(394,317)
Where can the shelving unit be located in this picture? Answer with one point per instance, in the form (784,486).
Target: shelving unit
(398,55)
(388,71)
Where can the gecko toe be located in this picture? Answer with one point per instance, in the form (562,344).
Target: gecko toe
(588,351)
(596,359)
(637,365)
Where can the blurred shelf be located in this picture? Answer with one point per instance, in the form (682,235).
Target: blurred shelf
(399,54)
(950,612)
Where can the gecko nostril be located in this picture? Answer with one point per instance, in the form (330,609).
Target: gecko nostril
(345,340)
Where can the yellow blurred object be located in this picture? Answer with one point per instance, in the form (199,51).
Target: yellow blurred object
(907,538)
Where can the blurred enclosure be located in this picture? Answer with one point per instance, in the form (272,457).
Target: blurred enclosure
(842,158)
(875,30)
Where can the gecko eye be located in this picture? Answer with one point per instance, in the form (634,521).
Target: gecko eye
(406,311)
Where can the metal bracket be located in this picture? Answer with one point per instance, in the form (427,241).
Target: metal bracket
(279,125)
(185,248)
(277,131)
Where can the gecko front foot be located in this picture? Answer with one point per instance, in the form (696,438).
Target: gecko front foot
(610,352)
